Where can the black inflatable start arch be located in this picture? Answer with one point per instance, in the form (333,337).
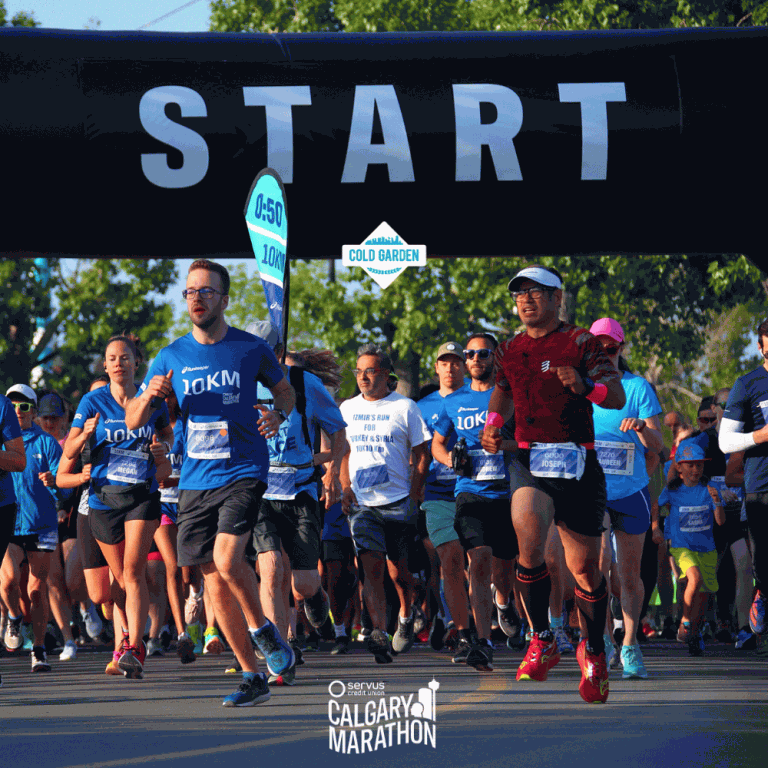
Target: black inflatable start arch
(146,144)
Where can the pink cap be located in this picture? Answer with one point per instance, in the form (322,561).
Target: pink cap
(606,326)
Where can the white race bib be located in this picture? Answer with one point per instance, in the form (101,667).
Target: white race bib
(208,440)
(445,474)
(486,466)
(616,458)
(565,461)
(127,467)
(695,519)
(281,484)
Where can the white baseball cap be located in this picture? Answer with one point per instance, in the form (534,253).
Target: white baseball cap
(25,390)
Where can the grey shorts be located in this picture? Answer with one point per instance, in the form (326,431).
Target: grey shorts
(441,516)
(389,528)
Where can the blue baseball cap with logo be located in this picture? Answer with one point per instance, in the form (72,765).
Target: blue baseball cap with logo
(689,451)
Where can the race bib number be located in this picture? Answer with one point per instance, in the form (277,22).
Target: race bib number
(487,466)
(208,440)
(281,484)
(445,474)
(369,478)
(171,495)
(695,519)
(616,458)
(127,467)
(764,409)
(558,460)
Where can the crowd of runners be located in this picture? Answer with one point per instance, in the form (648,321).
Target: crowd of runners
(234,501)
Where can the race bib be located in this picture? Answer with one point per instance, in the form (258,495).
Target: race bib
(764,409)
(616,458)
(445,474)
(48,541)
(127,467)
(695,519)
(281,484)
(487,466)
(372,477)
(208,440)
(171,495)
(558,460)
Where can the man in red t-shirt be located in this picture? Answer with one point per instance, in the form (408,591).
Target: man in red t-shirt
(552,373)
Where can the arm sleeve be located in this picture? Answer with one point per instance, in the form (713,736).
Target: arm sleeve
(732,439)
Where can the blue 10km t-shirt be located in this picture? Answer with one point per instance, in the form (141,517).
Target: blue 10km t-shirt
(9,430)
(441,480)
(691,518)
(119,456)
(464,412)
(290,445)
(215,385)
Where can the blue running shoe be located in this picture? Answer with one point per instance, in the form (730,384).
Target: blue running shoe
(253,690)
(757,613)
(745,640)
(564,644)
(632,661)
(278,654)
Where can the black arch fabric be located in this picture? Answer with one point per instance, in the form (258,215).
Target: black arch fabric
(145,144)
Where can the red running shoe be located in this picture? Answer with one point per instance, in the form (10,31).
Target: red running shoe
(132,661)
(593,687)
(542,655)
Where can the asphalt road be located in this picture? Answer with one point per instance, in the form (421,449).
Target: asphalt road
(708,711)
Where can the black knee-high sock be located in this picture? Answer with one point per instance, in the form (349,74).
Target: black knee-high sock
(593,607)
(535,586)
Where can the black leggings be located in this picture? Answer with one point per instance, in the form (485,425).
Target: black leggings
(757,522)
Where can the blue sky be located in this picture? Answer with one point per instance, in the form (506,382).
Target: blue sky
(115,15)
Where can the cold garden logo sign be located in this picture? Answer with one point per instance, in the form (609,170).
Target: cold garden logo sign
(362,718)
(384,255)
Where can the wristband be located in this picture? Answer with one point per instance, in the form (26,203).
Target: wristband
(494,420)
(598,394)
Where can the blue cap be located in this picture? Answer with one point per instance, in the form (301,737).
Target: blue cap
(689,451)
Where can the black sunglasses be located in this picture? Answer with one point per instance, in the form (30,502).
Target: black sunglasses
(483,354)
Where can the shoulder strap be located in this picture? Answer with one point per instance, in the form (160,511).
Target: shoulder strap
(296,378)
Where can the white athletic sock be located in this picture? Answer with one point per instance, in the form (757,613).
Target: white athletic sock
(503,607)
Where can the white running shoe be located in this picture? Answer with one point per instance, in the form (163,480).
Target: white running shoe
(92,621)
(69,652)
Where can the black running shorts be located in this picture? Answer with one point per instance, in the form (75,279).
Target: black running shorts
(108,525)
(296,524)
(483,522)
(579,504)
(91,555)
(203,515)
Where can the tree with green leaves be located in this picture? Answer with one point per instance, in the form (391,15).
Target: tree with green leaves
(63,324)
(19,19)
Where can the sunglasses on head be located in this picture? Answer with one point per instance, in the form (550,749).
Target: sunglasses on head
(23,407)
(482,354)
